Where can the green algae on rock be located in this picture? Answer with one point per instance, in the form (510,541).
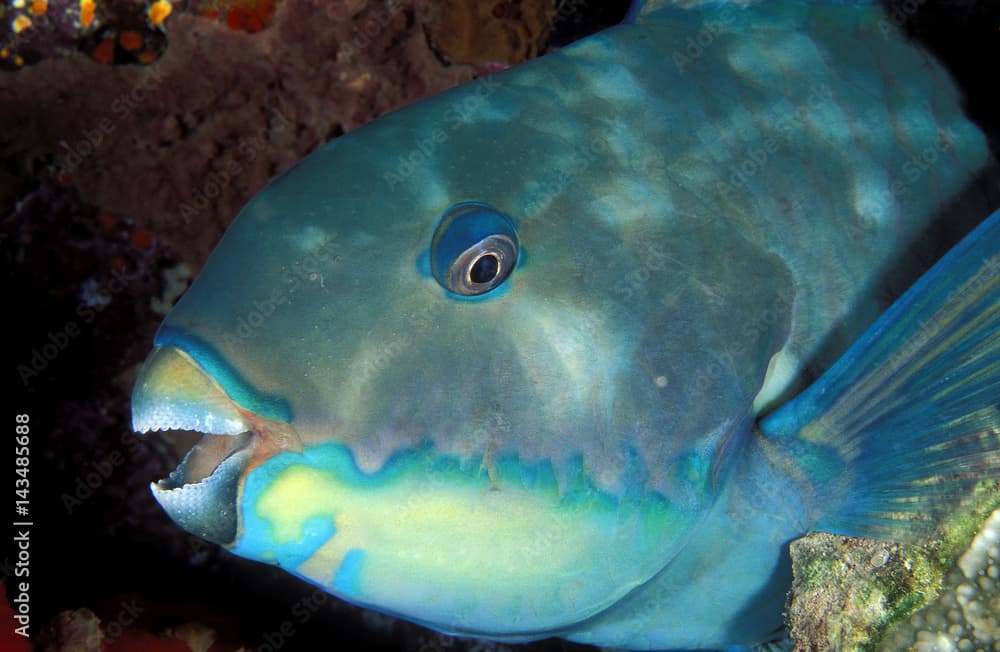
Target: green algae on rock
(846,588)
(864,594)
(965,615)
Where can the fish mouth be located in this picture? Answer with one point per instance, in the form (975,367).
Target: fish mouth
(173,394)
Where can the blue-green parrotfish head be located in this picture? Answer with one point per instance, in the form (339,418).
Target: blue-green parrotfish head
(495,363)
(464,365)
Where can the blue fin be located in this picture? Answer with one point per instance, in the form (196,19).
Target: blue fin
(633,11)
(902,427)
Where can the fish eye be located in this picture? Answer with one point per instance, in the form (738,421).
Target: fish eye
(474,249)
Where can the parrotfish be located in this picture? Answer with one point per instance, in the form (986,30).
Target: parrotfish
(578,348)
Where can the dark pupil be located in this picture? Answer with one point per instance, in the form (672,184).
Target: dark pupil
(485,269)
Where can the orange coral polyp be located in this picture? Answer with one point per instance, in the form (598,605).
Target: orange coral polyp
(159,11)
(130,41)
(104,52)
(20,24)
(87,9)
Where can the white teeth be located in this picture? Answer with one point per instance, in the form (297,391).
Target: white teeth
(206,508)
(170,416)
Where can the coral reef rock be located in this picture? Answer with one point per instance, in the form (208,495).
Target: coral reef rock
(471,31)
(965,616)
(942,595)
(183,143)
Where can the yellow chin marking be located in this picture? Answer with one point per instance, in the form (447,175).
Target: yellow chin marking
(455,534)
(433,542)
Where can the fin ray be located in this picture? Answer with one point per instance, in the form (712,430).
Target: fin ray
(911,412)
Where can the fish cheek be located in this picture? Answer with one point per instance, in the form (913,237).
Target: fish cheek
(716,315)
